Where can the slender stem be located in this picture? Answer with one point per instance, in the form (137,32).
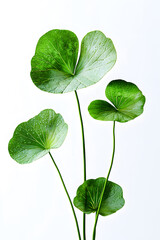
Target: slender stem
(78,231)
(84,159)
(83,140)
(100,202)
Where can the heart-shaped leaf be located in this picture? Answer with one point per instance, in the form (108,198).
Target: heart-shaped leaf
(89,193)
(128,102)
(33,139)
(54,66)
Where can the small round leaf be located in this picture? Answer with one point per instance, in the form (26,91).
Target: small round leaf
(54,66)
(128,102)
(34,139)
(89,193)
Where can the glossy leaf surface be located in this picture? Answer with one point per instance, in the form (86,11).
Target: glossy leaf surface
(127,103)
(88,197)
(54,67)
(33,139)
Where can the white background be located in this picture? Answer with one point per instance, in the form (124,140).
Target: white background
(33,205)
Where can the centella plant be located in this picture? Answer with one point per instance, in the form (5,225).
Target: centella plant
(56,68)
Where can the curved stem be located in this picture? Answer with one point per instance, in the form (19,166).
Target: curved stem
(79,235)
(100,202)
(84,159)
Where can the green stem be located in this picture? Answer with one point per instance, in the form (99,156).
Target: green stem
(84,159)
(78,231)
(100,202)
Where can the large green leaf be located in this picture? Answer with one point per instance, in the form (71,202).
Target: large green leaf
(33,139)
(89,193)
(54,66)
(128,102)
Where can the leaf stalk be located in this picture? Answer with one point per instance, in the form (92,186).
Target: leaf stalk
(76,221)
(101,198)
(84,158)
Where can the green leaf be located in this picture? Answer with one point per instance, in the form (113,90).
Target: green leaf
(89,193)
(54,66)
(128,102)
(34,139)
